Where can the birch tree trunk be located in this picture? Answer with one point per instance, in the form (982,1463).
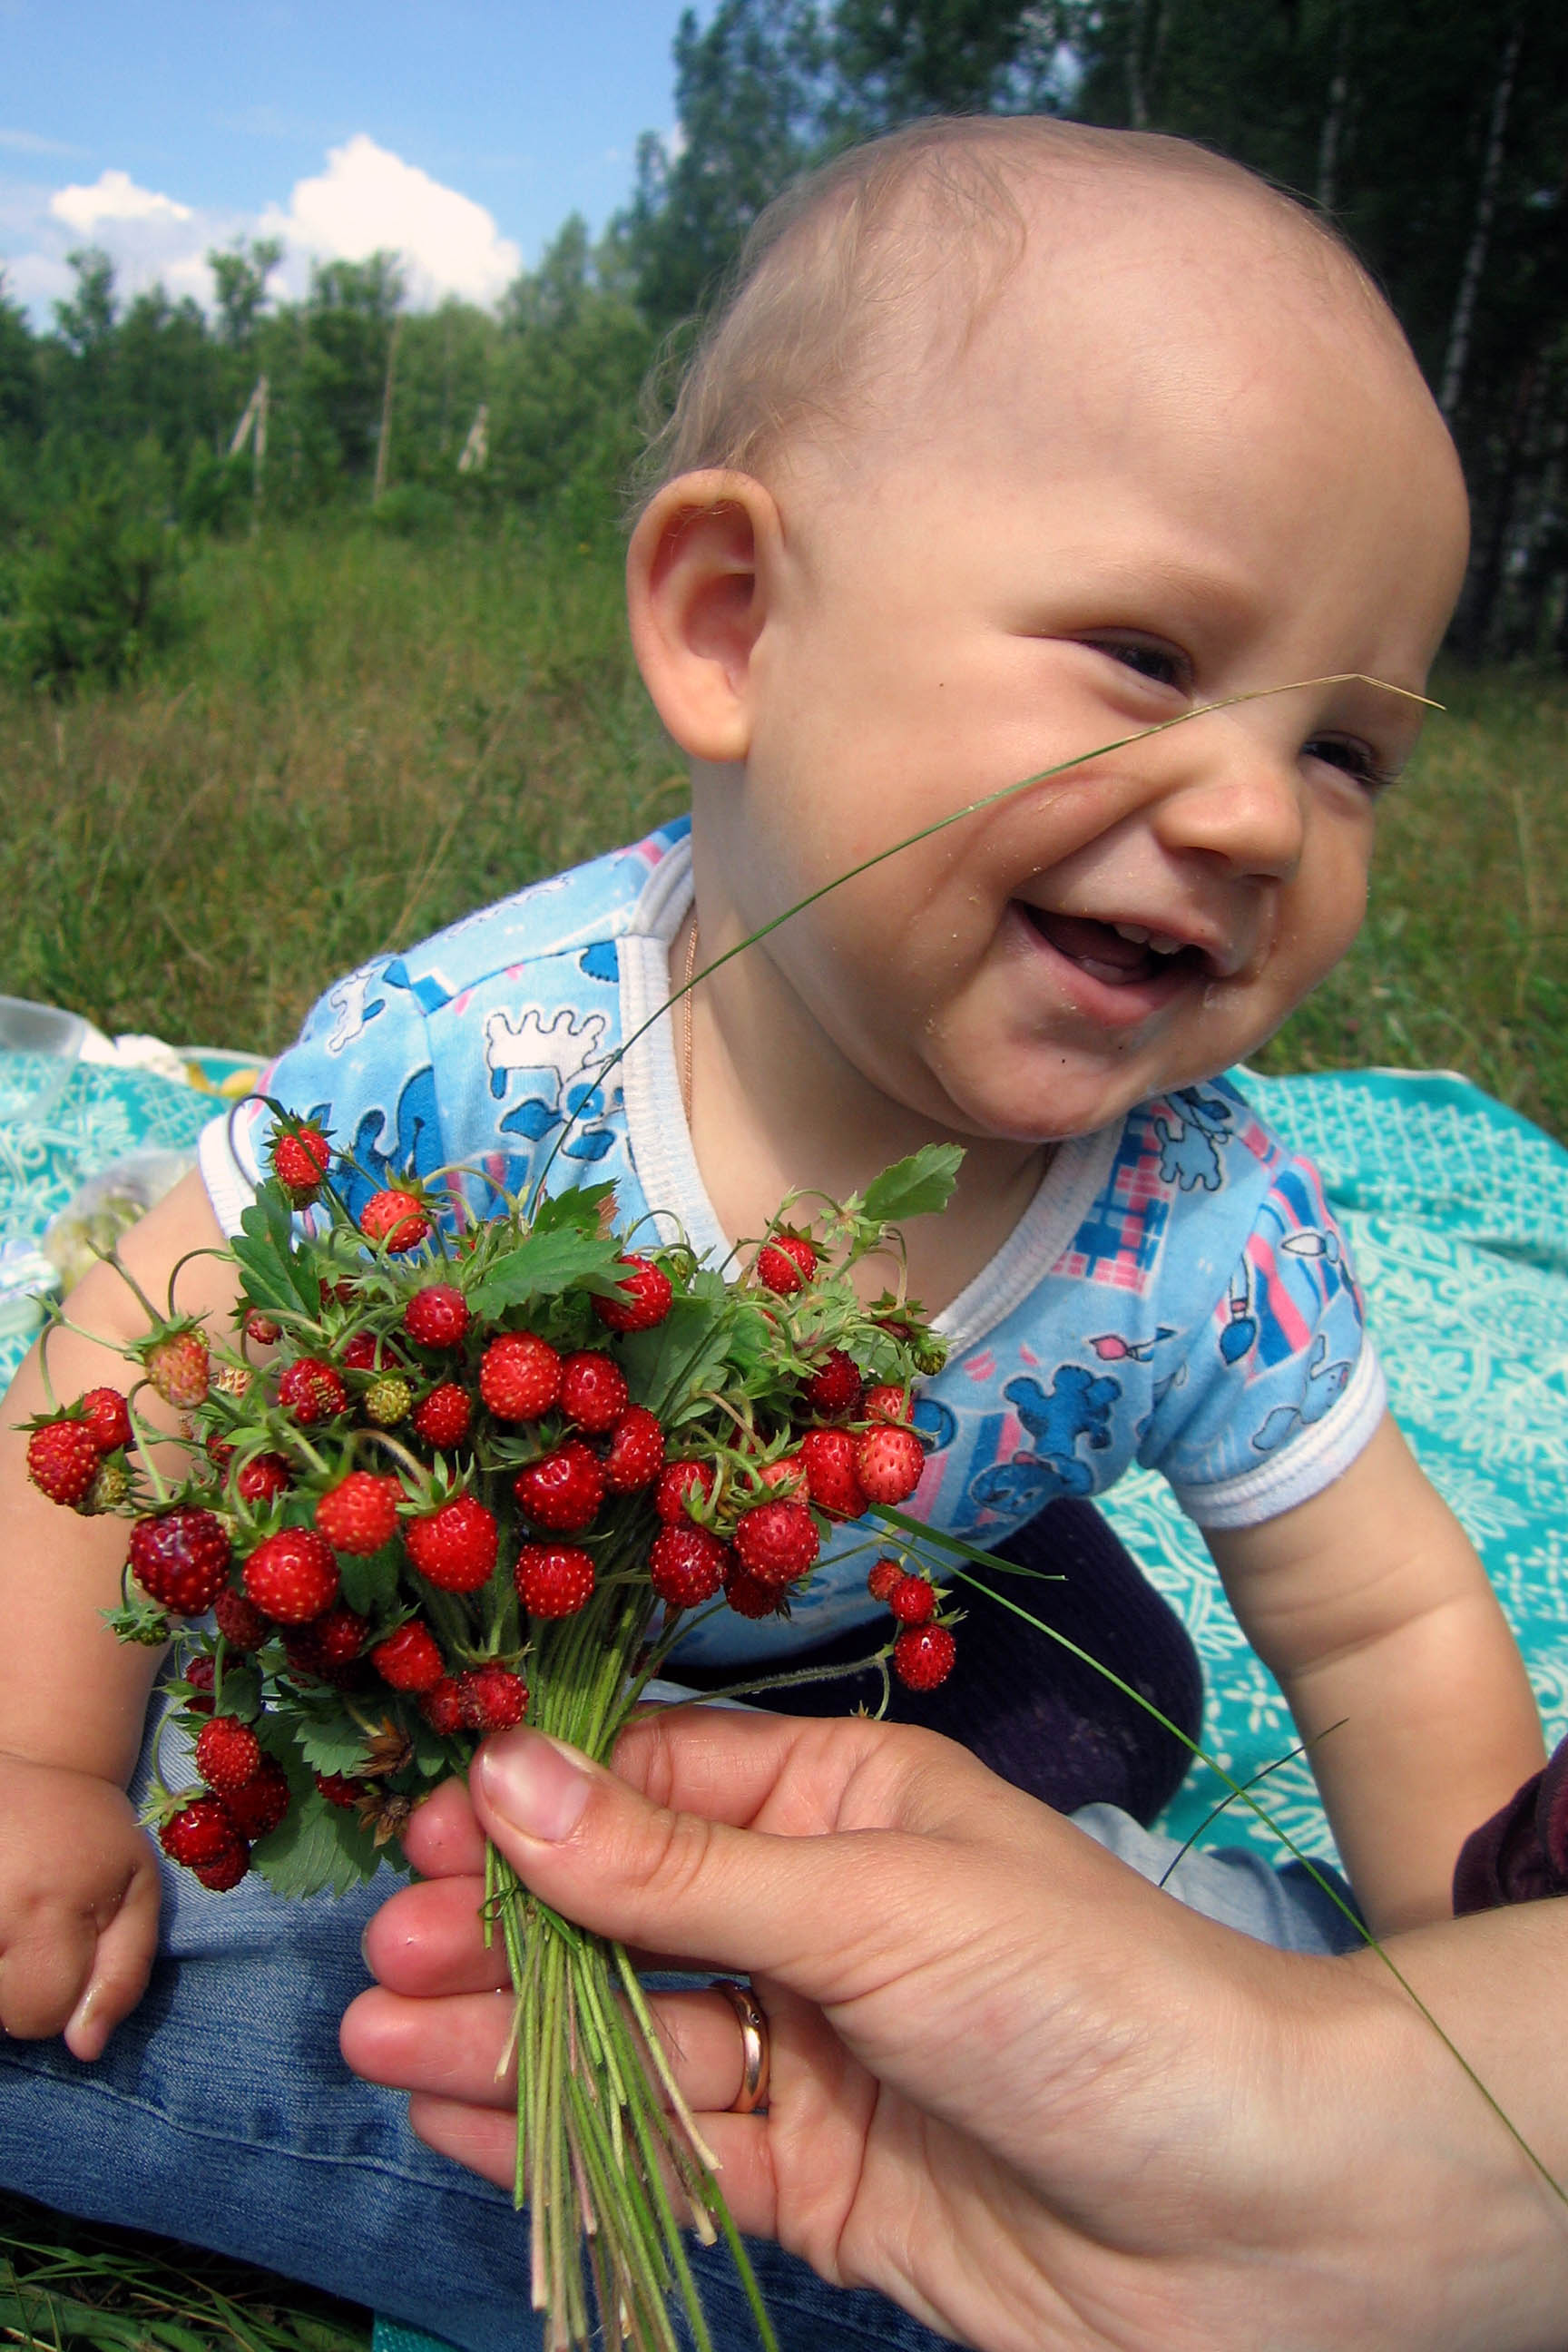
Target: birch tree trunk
(1459,326)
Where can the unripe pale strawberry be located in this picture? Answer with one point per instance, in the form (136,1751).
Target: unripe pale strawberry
(387,1401)
(179,1366)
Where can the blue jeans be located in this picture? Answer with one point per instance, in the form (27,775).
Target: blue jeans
(223,2113)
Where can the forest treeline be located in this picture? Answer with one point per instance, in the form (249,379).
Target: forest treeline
(1433,132)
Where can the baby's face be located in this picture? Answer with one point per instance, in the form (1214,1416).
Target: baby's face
(1169,470)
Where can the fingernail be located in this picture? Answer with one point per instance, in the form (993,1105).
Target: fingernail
(541,1789)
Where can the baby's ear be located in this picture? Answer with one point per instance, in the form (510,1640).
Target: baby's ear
(698,576)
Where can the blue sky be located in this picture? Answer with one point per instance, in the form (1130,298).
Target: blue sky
(464,132)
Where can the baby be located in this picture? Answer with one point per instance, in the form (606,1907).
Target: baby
(1016,443)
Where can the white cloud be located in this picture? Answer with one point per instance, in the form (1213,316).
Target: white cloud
(113,196)
(29,142)
(370,200)
(367,198)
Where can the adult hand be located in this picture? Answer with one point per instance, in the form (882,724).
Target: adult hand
(1015,2088)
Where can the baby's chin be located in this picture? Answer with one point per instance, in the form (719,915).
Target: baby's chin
(1061,1101)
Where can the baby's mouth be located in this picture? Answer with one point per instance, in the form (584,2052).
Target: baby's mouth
(1118,954)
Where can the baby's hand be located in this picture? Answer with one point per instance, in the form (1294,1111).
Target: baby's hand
(79,1906)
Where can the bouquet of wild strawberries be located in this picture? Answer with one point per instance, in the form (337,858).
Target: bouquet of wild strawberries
(452,1476)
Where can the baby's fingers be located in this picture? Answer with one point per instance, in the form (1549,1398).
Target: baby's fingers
(121,1965)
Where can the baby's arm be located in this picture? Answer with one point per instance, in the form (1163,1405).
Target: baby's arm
(1370,1607)
(79,1880)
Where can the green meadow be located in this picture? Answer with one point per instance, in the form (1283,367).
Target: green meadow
(358,736)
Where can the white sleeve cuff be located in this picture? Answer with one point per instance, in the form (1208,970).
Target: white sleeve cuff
(1312,1460)
(222,1155)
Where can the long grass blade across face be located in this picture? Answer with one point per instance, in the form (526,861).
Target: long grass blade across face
(941,824)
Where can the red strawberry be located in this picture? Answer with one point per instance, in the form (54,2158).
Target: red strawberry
(360,1515)
(292,1576)
(923,1656)
(264,1476)
(442,1707)
(635,1454)
(62,1460)
(178,1366)
(442,1418)
(747,1598)
(260,1805)
(913,1600)
(677,1482)
(562,1490)
(239,1621)
(108,1417)
(262,1329)
(200,1674)
(519,1376)
(889,1403)
(229,1870)
(199,1834)
(436,1317)
(409,1659)
(228,1753)
(311,1392)
(834,1389)
(785,1264)
(363,1353)
(491,1698)
(646,1294)
(776,1542)
(182,1557)
(299,1162)
(455,1546)
(338,1635)
(593,1391)
(888,1463)
(395,1218)
(885,1574)
(687,1565)
(829,1455)
(552,1579)
(339,1790)
(786,1477)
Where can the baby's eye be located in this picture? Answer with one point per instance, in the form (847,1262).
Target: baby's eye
(1352,758)
(1161,664)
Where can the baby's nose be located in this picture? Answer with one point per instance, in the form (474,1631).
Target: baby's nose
(1241,803)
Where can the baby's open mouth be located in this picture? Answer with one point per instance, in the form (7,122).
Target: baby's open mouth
(1116,953)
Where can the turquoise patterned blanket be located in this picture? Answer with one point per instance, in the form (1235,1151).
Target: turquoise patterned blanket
(1456,1211)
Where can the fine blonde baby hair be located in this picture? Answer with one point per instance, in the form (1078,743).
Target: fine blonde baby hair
(848,275)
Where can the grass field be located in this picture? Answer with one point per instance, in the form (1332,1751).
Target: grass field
(361,738)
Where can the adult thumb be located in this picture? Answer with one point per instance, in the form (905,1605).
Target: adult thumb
(672,1882)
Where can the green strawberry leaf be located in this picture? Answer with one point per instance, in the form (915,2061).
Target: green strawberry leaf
(241,1693)
(370,1585)
(330,1742)
(316,1846)
(685,1354)
(543,1265)
(916,1187)
(580,1208)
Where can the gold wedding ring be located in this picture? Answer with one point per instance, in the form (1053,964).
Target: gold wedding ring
(756,2045)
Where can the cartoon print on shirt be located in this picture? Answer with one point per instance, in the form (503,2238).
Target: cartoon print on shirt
(1113,1347)
(352,1010)
(1326,1383)
(1189,1150)
(1077,1406)
(408,1141)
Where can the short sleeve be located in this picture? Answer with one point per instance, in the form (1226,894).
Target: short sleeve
(1280,1389)
(361,1069)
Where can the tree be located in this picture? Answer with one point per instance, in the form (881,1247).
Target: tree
(239,278)
(20,390)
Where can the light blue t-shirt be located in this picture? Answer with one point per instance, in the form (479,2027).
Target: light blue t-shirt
(1178,1293)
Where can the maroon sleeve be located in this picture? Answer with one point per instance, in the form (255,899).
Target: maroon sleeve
(1520,1855)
